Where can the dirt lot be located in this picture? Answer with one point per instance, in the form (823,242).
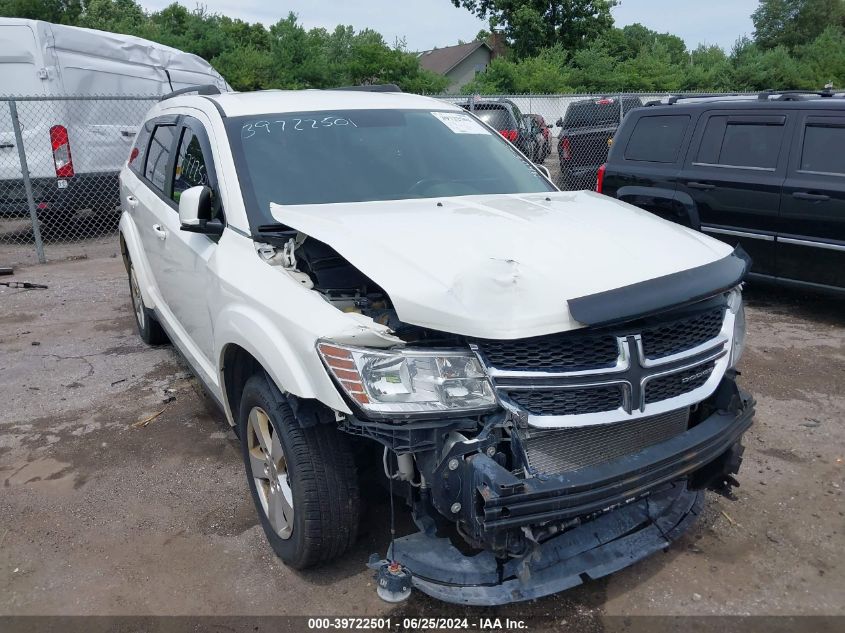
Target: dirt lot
(102,515)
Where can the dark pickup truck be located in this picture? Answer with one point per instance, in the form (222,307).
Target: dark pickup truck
(586,134)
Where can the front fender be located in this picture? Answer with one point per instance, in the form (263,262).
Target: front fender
(293,365)
(132,248)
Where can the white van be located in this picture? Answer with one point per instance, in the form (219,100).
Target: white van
(75,148)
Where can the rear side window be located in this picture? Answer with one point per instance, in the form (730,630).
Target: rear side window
(139,150)
(657,139)
(823,149)
(158,156)
(742,143)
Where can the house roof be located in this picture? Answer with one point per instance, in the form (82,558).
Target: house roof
(442,60)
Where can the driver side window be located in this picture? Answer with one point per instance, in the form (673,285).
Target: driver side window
(193,169)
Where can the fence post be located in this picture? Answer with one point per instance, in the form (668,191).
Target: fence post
(33,214)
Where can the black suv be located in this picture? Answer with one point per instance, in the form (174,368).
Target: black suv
(767,172)
(505,116)
(587,130)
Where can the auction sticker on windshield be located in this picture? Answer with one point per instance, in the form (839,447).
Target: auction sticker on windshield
(460,123)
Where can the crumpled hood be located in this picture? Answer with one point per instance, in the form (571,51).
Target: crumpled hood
(501,266)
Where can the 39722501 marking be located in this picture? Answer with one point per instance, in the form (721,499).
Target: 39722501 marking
(345,624)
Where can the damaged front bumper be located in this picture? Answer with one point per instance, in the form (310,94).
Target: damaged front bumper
(606,544)
(534,536)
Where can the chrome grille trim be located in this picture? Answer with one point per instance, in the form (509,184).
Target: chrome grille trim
(630,356)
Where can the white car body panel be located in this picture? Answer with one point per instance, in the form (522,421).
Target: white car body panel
(501,266)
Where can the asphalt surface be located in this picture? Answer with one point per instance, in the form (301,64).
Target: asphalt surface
(123,491)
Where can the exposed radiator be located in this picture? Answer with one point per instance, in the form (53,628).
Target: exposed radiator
(562,450)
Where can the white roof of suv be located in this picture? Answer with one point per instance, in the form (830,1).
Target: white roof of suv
(277,101)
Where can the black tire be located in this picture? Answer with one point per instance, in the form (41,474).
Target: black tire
(319,470)
(149,329)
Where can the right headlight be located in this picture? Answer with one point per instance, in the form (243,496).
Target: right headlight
(737,307)
(409,381)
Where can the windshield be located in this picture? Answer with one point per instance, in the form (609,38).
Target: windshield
(364,155)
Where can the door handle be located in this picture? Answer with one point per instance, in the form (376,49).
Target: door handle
(816,197)
(160,232)
(132,201)
(706,186)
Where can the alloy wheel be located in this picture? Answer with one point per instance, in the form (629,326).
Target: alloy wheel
(269,471)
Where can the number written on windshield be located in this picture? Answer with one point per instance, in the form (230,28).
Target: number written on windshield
(293,124)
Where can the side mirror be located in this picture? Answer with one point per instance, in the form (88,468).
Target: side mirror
(545,171)
(559,123)
(195,212)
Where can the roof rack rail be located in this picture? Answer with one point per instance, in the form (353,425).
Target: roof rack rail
(793,95)
(205,89)
(705,95)
(372,88)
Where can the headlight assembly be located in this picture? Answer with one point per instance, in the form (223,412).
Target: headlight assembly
(737,307)
(409,381)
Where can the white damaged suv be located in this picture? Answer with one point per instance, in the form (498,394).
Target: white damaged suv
(375,282)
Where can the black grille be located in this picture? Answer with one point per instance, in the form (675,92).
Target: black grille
(567,401)
(682,334)
(565,450)
(570,351)
(678,384)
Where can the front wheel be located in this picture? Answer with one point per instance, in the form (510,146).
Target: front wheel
(303,480)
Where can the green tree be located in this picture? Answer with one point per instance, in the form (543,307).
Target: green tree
(709,70)
(793,23)
(757,69)
(531,25)
(58,11)
(823,60)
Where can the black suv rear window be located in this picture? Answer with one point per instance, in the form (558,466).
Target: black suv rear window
(823,149)
(657,139)
(741,143)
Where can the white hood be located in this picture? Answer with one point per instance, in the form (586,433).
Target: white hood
(501,266)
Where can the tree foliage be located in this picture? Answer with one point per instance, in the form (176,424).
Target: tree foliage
(555,46)
(793,23)
(249,56)
(790,51)
(531,25)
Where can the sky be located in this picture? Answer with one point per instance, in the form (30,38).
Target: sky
(426,24)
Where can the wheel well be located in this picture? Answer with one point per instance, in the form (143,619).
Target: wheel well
(238,366)
(124,253)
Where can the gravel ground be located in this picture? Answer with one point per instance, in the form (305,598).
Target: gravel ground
(103,514)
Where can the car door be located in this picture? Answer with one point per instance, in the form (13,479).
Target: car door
(147,203)
(811,243)
(734,173)
(183,264)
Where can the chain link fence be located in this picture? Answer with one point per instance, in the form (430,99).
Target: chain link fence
(570,134)
(59,165)
(60,158)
